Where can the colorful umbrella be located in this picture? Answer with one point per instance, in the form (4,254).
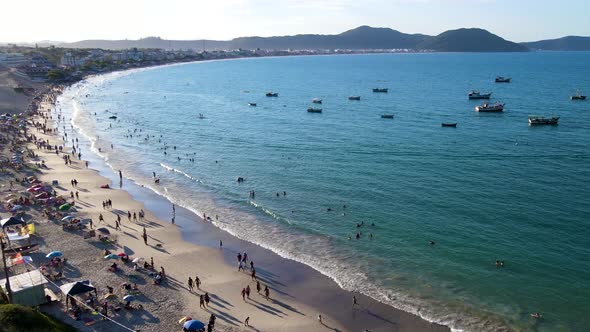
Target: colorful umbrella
(129,298)
(137,260)
(193,325)
(67,218)
(110,296)
(65,207)
(54,254)
(121,254)
(111,256)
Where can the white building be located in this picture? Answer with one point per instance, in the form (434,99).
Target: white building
(12,60)
(71,60)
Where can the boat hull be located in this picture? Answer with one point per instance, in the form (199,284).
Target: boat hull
(454,125)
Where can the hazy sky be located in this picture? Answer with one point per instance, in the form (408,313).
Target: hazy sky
(72,20)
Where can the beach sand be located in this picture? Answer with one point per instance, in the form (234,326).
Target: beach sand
(297,292)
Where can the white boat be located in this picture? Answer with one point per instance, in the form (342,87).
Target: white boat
(540,120)
(272,94)
(478,95)
(487,107)
(316,101)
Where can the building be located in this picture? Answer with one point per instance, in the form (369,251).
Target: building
(27,288)
(12,60)
(71,60)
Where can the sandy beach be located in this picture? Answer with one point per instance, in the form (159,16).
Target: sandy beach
(187,248)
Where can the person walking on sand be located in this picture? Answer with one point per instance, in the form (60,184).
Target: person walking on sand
(100,218)
(244,294)
(144,238)
(120,175)
(320,318)
(152,262)
(129,215)
(248,291)
(198,282)
(266,292)
(202,302)
(134,217)
(247,321)
(119,218)
(207,299)
(258,286)
(117,227)
(190,284)
(253,274)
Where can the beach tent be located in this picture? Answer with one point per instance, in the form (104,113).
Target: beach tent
(11,221)
(27,288)
(77,287)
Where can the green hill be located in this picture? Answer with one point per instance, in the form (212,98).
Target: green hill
(470,40)
(16,318)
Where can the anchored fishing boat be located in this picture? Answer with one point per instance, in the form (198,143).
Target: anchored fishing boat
(272,94)
(478,95)
(540,120)
(316,101)
(502,79)
(354,98)
(449,124)
(387,116)
(487,107)
(314,110)
(380,90)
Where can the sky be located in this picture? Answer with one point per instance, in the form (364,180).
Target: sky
(74,20)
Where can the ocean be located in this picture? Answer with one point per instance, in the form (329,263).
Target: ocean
(493,188)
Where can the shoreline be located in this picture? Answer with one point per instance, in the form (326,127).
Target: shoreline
(208,235)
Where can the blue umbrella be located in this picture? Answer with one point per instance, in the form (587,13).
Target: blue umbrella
(111,256)
(193,325)
(54,254)
(129,298)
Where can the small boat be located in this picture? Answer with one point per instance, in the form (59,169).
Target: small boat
(272,94)
(316,101)
(354,98)
(314,110)
(251,104)
(578,96)
(201,116)
(477,95)
(380,90)
(112,117)
(502,79)
(540,120)
(387,116)
(487,107)
(449,124)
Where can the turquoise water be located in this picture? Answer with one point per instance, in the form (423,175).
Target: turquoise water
(491,189)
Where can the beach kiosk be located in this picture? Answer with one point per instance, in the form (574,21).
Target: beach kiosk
(28,288)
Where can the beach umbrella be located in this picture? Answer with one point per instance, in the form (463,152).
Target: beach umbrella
(104,230)
(110,296)
(111,256)
(193,325)
(54,254)
(137,260)
(12,200)
(184,319)
(9,196)
(67,218)
(42,195)
(129,298)
(122,254)
(65,207)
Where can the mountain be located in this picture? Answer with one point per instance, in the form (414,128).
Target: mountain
(569,43)
(470,40)
(363,37)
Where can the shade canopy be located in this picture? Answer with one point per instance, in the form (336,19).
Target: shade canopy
(77,287)
(11,221)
